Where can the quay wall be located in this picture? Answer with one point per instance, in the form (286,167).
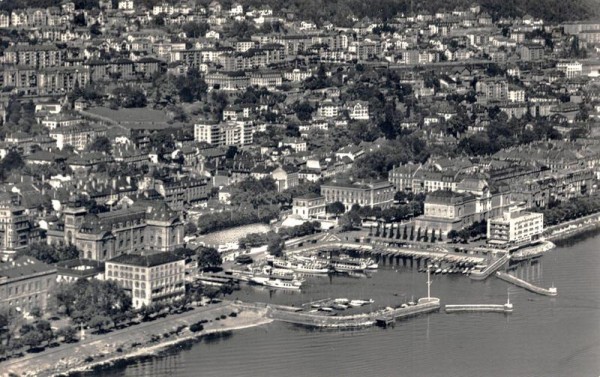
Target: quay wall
(493,308)
(524,284)
(349,321)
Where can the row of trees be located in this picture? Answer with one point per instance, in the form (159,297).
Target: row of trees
(557,212)
(49,254)
(228,219)
(15,334)
(207,257)
(406,233)
(274,242)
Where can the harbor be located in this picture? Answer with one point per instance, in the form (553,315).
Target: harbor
(281,346)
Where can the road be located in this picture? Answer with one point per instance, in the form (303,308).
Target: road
(97,343)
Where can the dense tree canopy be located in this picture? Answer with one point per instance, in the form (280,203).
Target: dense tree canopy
(85,299)
(49,253)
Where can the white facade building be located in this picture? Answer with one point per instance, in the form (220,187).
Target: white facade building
(515,226)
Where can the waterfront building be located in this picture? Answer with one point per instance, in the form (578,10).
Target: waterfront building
(157,277)
(365,194)
(514,227)
(26,283)
(309,206)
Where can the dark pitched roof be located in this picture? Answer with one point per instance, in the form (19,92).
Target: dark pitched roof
(146,260)
(23,267)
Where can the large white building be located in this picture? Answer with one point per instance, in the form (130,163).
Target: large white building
(571,69)
(223,134)
(158,277)
(515,227)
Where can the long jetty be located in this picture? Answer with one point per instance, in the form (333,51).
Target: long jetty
(494,308)
(552,291)
(490,269)
(425,305)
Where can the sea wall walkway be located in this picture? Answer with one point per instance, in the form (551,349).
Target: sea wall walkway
(552,291)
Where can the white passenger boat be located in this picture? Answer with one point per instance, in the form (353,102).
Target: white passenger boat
(283,284)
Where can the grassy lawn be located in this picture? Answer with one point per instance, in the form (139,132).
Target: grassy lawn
(131,115)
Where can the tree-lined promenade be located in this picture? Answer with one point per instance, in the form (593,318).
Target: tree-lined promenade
(137,340)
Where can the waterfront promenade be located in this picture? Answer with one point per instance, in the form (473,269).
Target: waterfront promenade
(134,341)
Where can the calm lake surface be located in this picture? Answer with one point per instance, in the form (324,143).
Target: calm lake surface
(543,336)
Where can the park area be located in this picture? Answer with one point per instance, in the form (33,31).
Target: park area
(226,236)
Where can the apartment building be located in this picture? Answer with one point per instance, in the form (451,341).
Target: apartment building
(14,228)
(148,279)
(224,133)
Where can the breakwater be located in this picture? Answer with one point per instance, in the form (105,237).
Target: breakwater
(481,308)
(552,291)
(424,305)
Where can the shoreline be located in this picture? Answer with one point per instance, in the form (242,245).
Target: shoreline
(157,349)
(136,342)
(573,227)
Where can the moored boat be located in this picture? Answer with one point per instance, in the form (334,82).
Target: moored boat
(348,265)
(283,284)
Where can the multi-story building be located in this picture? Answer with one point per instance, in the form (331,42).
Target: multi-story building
(571,69)
(224,134)
(24,79)
(142,228)
(309,206)
(492,89)
(77,136)
(14,228)
(269,80)
(179,191)
(54,121)
(531,52)
(515,227)
(36,56)
(60,80)
(125,5)
(358,110)
(148,279)
(365,194)
(473,200)
(26,283)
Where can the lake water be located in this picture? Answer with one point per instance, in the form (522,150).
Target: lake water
(543,336)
